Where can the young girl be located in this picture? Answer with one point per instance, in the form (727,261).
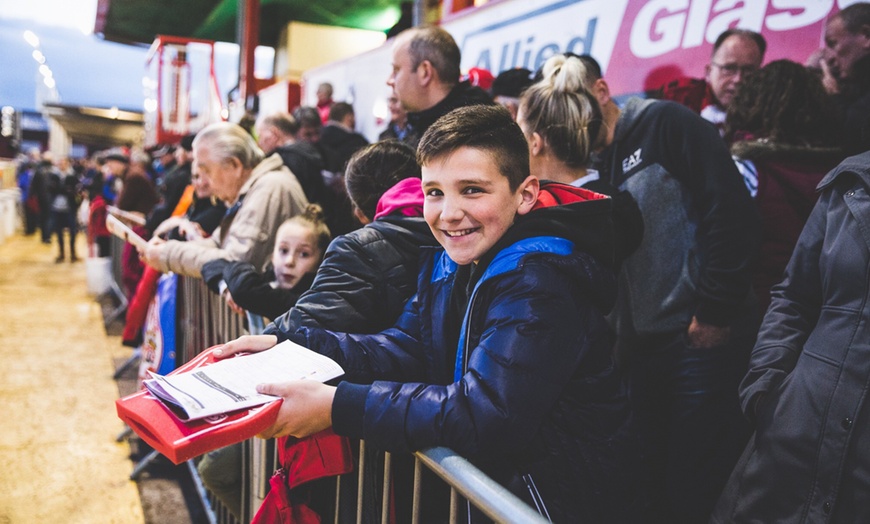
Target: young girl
(300,244)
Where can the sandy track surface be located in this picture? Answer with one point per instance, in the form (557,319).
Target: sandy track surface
(59,461)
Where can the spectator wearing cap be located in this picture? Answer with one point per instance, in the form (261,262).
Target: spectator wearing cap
(164,160)
(425,78)
(480,77)
(114,168)
(173,184)
(508,86)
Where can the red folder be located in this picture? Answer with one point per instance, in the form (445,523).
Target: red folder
(180,441)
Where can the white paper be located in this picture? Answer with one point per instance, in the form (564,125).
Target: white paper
(230,385)
(122,230)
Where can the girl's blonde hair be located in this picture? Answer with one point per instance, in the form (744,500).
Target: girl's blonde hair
(562,111)
(313,218)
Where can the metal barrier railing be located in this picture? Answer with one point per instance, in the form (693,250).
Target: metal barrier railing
(205,320)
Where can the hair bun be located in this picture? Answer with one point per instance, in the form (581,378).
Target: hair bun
(314,213)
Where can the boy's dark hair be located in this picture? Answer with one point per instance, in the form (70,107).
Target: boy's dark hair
(487,128)
(374,169)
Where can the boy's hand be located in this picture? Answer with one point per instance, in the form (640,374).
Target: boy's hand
(246,344)
(306,410)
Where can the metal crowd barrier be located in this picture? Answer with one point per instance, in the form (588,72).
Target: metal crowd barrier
(116,252)
(205,320)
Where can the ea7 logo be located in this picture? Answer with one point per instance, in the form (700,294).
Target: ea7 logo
(631,161)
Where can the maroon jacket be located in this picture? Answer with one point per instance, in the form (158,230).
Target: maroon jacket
(787,180)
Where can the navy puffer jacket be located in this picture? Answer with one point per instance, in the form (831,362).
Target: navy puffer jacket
(529,393)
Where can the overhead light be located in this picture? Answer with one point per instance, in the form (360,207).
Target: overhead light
(45,70)
(38,56)
(31,38)
(49,82)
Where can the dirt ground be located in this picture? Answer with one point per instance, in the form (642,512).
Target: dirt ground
(59,458)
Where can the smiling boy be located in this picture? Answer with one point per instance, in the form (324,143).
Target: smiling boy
(503,354)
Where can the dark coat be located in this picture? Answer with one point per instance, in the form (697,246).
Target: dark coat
(364,280)
(530,388)
(463,94)
(807,385)
(252,290)
(304,161)
(170,190)
(338,144)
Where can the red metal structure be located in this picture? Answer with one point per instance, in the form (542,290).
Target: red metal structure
(181,92)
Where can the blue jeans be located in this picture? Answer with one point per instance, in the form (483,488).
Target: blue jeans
(689,420)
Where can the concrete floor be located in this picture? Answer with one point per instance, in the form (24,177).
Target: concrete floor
(59,460)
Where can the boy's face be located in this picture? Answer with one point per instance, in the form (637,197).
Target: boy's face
(296,254)
(469,204)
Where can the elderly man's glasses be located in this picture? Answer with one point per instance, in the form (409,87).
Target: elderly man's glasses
(733,69)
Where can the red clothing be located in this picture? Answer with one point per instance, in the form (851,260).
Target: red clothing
(323,110)
(97,219)
(324,454)
(787,180)
(693,93)
(406,198)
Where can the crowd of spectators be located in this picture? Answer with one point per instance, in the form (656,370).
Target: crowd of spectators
(669,293)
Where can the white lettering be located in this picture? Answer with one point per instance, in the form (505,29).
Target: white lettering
(668,29)
(811,12)
(662,26)
(749,15)
(511,52)
(699,13)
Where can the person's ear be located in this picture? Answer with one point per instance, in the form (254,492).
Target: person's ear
(707,69)
(536,144)
(425,73)
(234,163)
(601,91)
(528,193)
